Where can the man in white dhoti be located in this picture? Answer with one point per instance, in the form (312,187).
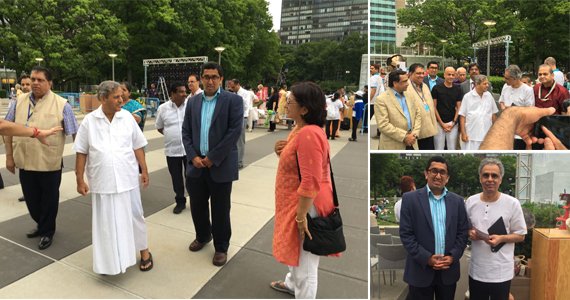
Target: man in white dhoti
(110,143)
(477,114)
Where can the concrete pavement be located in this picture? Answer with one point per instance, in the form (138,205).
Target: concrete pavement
(65,269)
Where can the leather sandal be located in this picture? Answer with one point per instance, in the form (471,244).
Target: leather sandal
(146,263)
(281,287)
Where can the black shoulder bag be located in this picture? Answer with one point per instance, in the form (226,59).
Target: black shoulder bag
(327,234)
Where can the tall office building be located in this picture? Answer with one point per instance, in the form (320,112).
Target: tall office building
(313,20)
(383,25)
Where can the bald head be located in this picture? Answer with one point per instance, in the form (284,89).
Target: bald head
(461,74)
(449,75)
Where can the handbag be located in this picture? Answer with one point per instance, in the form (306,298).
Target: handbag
(327,234)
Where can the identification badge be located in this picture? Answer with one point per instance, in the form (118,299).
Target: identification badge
(426,106)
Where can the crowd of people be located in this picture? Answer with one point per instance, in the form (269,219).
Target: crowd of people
(418,110)
(203,144)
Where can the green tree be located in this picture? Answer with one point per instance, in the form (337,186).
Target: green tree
(460,22)
(73,37)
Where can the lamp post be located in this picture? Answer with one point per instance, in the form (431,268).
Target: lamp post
(112,56)
(39,60)
(220,49)
(489,24)
(443,41)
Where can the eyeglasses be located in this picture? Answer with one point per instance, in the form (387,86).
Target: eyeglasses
(434,172)
(208,77)
(289,101)
(490,175)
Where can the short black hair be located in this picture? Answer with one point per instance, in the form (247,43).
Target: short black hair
(25,76)
(471,65)
(235,81)
(174,86)
(309,95)
(336,96)
(413,67)
(438,159)
(195,76)
(46,71)
(433,62)
(212,66)
(389,59)
(127,85)
(394,76)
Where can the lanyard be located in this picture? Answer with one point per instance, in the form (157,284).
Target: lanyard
(545,97)
(30,110)
(422,95)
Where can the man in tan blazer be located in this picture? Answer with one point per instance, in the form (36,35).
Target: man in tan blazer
(398,117)
(420,93)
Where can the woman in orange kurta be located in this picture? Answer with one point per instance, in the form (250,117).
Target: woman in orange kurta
(308,145)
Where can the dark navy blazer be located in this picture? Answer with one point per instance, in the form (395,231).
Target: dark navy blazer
(417,235)
(226,127)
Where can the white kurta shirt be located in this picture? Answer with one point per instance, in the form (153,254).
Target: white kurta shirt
(111,163)
(521,96)
(485,265)
(247,100)
(478,112)
(169,118)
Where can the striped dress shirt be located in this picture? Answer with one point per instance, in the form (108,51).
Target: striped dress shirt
(208,105)
(438,214)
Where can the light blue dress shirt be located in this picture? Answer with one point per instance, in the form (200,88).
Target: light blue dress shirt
(208,105)
(438,215)
(404,106)
(433,82)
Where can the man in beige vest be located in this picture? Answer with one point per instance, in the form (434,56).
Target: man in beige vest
(40,165)
(420,93)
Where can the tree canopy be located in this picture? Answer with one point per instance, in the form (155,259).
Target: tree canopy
(538,28)
(74,37)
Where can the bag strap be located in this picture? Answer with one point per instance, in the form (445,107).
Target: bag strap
(335,197)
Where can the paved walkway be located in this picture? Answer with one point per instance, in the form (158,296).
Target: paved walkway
(65,269)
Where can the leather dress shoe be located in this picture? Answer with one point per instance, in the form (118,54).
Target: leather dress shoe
(32,234)
(179,208)
(197,246)
(220,259)
(45,242)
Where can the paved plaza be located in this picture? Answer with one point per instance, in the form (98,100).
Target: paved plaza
(65,269)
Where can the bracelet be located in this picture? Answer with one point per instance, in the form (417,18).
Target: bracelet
(36,133)
(299,221)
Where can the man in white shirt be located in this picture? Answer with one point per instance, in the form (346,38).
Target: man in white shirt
(477,114)
(234,86)
(169,119)
(515,93)
(558,75)
(110,149)
(193,86)
(491,267)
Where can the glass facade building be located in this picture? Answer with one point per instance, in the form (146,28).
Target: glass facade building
(313,20)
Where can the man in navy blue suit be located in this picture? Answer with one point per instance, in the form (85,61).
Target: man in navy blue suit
(212,125)
(433,229)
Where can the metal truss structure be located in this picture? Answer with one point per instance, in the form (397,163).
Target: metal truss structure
(171,61)
(494,41)
(175,60)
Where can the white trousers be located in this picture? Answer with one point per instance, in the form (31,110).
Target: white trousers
(470,145)
(303,279)
(441,137)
